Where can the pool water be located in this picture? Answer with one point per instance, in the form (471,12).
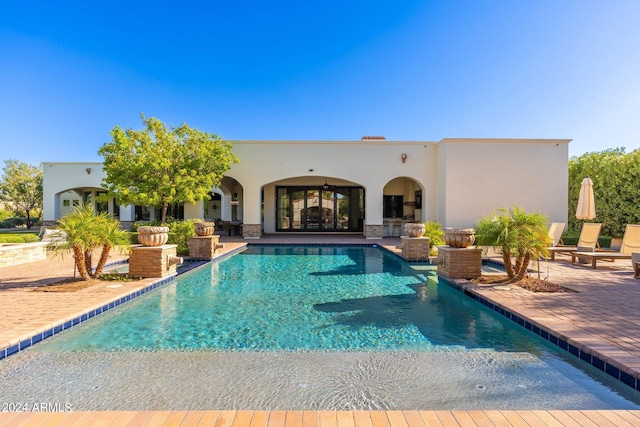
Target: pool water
(307,328)
(302,298)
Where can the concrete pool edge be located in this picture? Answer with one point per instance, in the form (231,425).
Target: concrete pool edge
(595,358)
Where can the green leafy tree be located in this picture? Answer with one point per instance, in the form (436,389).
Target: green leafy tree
(616,188)
(85,230)
(158,166)
(521,237)
(21,188)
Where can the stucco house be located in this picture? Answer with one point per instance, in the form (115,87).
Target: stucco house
(370,186)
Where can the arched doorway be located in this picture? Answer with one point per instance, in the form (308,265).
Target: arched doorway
(402,203)
(319,208)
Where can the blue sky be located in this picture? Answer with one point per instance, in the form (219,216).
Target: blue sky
(332,70)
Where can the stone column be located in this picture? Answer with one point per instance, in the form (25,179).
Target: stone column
(415,248)
(459,263)
(252,231)
(372,231)
(204,247)
(153,261)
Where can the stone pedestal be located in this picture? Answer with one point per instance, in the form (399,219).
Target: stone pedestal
(153,261)
(415,248)
(459,263)
(372,231)
(252,231)
(204,247)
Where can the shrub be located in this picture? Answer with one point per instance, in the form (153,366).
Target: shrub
(433,230)
(18,222)
(12,222)
(11,238)
(18,238)
(30,238)
(179,234)
(5,213)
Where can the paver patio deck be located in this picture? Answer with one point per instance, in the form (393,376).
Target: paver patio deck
(599,315)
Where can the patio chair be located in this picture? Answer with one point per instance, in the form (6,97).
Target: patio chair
(555,233)
(588,239)
(227,227)
(630,244)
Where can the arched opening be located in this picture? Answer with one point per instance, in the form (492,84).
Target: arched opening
(325,205)
(69,199)
(402,203)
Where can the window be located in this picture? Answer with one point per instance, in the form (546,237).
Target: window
(66,203)
(392,206)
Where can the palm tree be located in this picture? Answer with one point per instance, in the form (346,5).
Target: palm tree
(87,230)
(518,234)
(110,236)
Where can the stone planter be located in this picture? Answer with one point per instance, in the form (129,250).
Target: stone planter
(205,228)
(459,237)
(153,236)
(414,229)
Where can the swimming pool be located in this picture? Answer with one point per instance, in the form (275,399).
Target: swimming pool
(307,328)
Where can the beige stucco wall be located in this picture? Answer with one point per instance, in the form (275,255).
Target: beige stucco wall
(371,164)
(461,179)
(477,176)
(59,177)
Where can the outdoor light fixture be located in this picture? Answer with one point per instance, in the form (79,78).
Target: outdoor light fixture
(88,170)
(404,157)
(326,186)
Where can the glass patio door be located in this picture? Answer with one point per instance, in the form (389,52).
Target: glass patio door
(319,209)
(328,210)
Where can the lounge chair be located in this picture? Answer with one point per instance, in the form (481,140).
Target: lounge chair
(588,238)
(630,244)
(555,232)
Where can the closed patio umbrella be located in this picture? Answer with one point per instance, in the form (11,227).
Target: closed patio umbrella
(586,209)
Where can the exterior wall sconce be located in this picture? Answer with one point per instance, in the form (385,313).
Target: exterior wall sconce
(88,170)
(404,157)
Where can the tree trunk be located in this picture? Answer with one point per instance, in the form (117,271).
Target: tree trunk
(165,206)
(104,255)
(517,266)
(88,255)
(506,258)
(78,255)
(523,268)
(29,223)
